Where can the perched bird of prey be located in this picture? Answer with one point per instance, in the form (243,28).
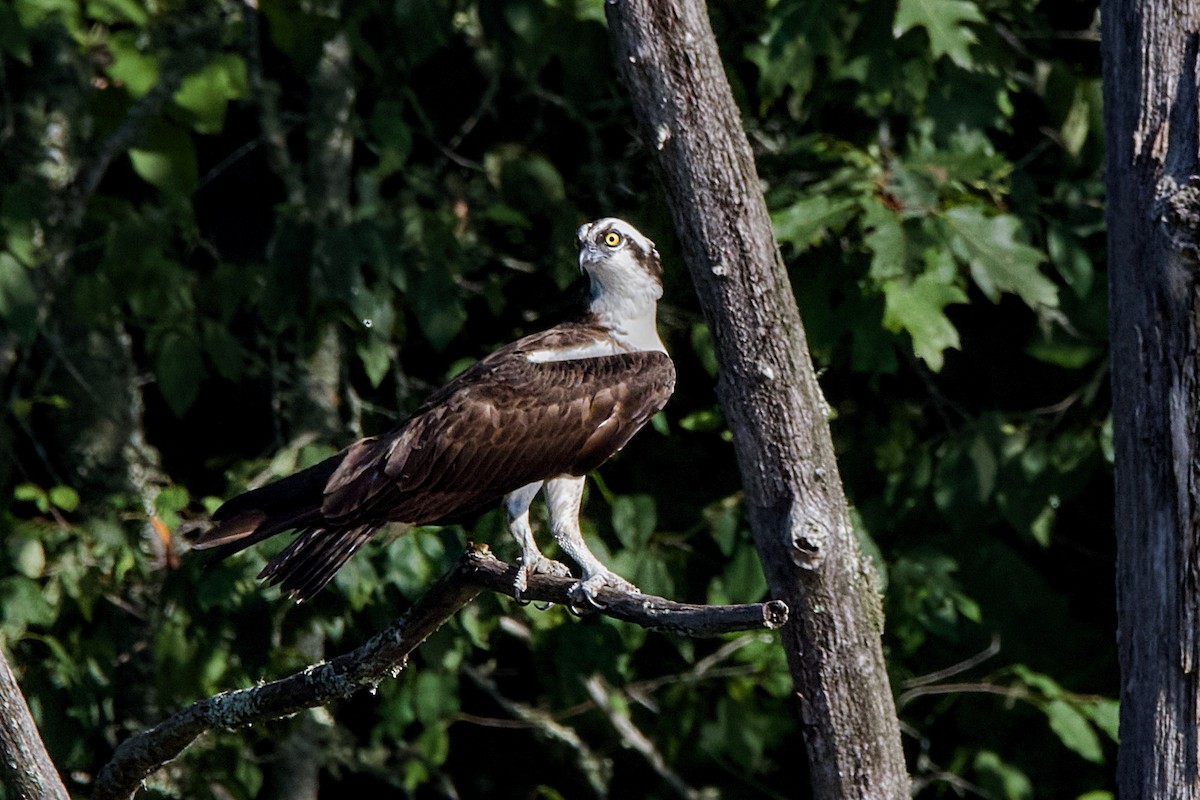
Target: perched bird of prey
(540,412)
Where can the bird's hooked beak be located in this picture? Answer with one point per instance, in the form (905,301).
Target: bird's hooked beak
(581,241)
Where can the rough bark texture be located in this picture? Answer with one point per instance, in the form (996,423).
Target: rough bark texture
(28,771)
(668,58)
(1150,99)
(386,654)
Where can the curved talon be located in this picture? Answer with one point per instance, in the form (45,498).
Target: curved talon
(542,606)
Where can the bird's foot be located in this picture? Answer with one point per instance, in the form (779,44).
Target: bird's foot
(585,591)
(539,565)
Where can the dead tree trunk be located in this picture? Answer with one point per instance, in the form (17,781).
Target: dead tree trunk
(668,58)
(1153,174)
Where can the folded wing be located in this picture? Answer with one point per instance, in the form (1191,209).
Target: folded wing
(502,424)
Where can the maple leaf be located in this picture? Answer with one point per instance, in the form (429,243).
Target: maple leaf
(945,21)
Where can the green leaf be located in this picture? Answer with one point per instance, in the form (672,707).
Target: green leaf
(435,695)
(634,518)
(1000,779)
(1036,680)
(27,556)
(1074,730)
(806,222)
(18,299)
(179,369)
(64,497)
(393,136)
(13,39)
(998,261)
(1069,355)
(1105,714)
(22,604)
(166,159)
(743,580)
(888,244)
(1070,259)
(137,71)
(223,350)
(705,349)
(439,308)
(112,11)
(916,307)
(205,95)
(376,358)
(945,21)
(32,493)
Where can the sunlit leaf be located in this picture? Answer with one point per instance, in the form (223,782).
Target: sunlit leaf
(917,307)
(945,21)
(1000,779)
(135,70)
(998,260)
(64,497)
(806,222)
(206,94)
(1074,730)
(166,159)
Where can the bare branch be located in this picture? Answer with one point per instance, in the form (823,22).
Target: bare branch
(386,654)
(633,738)
(595,768)
(28,770)
(956,669)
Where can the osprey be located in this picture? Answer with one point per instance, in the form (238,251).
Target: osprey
(540,412)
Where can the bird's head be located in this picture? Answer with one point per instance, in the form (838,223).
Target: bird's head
(622,264)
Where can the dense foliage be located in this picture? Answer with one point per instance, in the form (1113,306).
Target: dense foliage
(234,236)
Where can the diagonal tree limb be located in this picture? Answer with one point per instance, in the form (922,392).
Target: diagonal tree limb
(386,654)
(28,770)
(669,60)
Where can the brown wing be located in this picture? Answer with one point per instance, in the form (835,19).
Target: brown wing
(500,425)
(505,423)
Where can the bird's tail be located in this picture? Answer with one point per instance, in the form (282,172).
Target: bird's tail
(292,503)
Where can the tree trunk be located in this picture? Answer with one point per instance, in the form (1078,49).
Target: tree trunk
(1150,101)
(28,771)
(668,58)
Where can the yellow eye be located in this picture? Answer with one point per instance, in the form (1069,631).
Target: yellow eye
(612,238)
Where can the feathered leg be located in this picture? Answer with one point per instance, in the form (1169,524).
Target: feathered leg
(563,497)
(516,505)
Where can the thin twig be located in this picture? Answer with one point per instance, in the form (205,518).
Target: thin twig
(956,669)
(596,769)
(1011,692)
(634,739)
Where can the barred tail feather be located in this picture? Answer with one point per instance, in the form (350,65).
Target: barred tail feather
(306,565)
(290,503)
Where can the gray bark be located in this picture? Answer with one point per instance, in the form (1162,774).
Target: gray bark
(387,654)
(668,58)
(28,771)
(1150,100)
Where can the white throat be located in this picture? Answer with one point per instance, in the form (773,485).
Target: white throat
(631,316)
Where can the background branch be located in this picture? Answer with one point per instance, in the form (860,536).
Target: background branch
(386,654)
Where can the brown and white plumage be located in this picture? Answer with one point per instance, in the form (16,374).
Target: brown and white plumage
(546,409)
